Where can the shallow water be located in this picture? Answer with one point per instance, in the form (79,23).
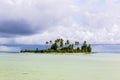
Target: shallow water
(59,67)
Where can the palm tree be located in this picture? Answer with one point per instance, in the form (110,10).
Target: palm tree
(57,40)
(47,44)
(67,42)
(61,42)
(54,46)
(51,42)
(84,46)
(77,43)
(89,49)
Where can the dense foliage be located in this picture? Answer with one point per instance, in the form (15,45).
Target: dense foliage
(59,46)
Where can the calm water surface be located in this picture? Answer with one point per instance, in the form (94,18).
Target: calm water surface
(59,67)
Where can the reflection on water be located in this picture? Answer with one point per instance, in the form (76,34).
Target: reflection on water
(59,67)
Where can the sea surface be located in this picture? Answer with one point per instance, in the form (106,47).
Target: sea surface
(97,66)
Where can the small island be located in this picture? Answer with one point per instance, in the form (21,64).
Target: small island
(61,46)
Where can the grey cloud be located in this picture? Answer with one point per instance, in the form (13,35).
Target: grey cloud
(38,16)
(10,28)
(89,16)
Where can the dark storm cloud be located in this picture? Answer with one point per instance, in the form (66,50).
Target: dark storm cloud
(10,28)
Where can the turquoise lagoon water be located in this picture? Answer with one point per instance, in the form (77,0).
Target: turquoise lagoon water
(100,66)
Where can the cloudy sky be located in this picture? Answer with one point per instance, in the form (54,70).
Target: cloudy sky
(36,21)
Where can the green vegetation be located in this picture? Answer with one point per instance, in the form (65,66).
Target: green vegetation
(59,46)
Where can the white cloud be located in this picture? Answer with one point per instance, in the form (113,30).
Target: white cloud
(96,21)
(6,40)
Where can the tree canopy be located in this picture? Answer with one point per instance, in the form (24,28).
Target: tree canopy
(62,46)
